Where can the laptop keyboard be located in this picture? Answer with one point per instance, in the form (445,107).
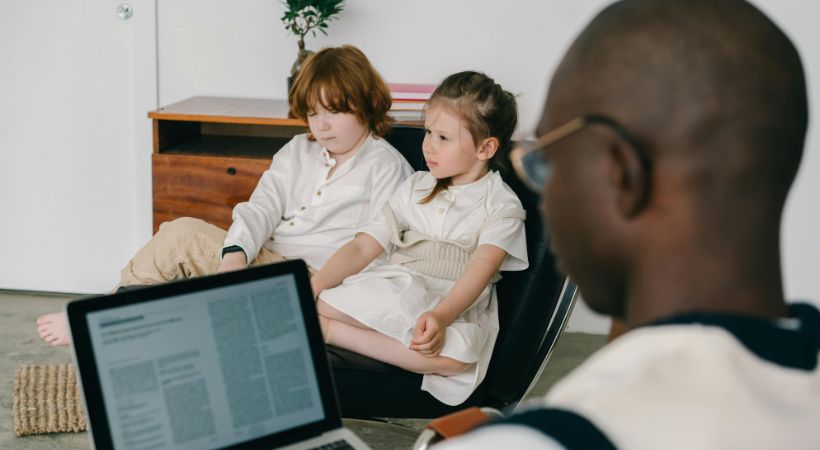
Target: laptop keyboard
(341,444)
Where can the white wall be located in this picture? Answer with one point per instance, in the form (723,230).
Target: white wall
(240,48)
(75,83)
(801,222)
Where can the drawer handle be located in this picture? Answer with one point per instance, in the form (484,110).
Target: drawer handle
(231,171)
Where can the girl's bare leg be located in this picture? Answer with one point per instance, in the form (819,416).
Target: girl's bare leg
(381,347)
(332,313)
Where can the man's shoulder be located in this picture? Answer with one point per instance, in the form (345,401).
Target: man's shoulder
(676,352)
(568,428)
(508,433)
(691,369)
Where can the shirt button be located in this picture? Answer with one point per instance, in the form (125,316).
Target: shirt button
(272,239)
(319,193)
(291,223)
(302,208)
(441,210)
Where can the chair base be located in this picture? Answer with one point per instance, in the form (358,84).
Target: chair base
(368,388)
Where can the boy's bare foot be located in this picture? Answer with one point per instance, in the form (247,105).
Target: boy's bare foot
(53,328)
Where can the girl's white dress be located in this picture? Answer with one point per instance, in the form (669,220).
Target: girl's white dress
(389,298)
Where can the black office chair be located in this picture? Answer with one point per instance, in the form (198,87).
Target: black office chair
(407,140)
(534,306)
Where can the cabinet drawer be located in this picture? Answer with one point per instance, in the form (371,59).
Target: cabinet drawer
(206,187)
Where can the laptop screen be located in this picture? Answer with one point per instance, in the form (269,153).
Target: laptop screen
(206,369)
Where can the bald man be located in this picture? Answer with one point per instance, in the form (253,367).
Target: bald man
(673,130)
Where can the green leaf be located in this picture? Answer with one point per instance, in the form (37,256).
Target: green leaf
(316,13)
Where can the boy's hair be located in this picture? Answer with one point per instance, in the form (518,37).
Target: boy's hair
(350,85)
(486,109)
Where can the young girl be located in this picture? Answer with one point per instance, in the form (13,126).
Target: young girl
(432,309)
(319,190)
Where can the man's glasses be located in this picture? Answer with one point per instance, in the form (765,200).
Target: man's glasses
(532,167)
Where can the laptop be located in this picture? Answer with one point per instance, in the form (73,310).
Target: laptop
(234,360)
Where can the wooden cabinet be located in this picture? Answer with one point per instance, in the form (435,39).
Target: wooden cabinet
(209,153)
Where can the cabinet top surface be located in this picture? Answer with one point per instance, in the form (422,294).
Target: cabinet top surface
(229,110)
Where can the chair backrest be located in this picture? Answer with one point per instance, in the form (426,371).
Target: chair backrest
(533,307)
(533,304)
(407,140)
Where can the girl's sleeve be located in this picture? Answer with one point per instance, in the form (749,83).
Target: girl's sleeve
(508,234)
(255,220)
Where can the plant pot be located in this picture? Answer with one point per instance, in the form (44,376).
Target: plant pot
(297,65)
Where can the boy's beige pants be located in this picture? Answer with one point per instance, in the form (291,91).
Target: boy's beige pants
(182,248)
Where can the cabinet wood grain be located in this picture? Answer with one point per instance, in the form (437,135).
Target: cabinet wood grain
(209,153)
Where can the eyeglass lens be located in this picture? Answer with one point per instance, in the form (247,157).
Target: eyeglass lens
(536,169)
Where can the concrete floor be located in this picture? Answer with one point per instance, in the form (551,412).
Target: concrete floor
(19,345)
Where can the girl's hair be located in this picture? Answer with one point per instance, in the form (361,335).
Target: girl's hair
(486,109)
(350,85)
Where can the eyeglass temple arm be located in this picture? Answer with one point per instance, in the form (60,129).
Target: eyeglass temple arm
(561,132)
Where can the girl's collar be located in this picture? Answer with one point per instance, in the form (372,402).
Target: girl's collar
(477,188)
(475,185)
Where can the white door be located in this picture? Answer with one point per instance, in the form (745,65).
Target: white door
(76,82)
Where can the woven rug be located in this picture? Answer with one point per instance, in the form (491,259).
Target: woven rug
(47,399)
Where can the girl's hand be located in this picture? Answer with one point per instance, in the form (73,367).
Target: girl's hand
(428,338)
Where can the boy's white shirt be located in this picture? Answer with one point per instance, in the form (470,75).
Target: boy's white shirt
(298,212)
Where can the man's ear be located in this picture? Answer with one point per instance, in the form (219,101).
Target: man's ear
(487,148)
(630,177)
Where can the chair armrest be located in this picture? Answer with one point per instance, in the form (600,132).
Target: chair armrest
(450,426)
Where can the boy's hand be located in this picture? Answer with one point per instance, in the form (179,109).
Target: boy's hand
(428,337)
(232,261)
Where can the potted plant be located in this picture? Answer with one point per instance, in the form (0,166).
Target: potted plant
(307,16)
